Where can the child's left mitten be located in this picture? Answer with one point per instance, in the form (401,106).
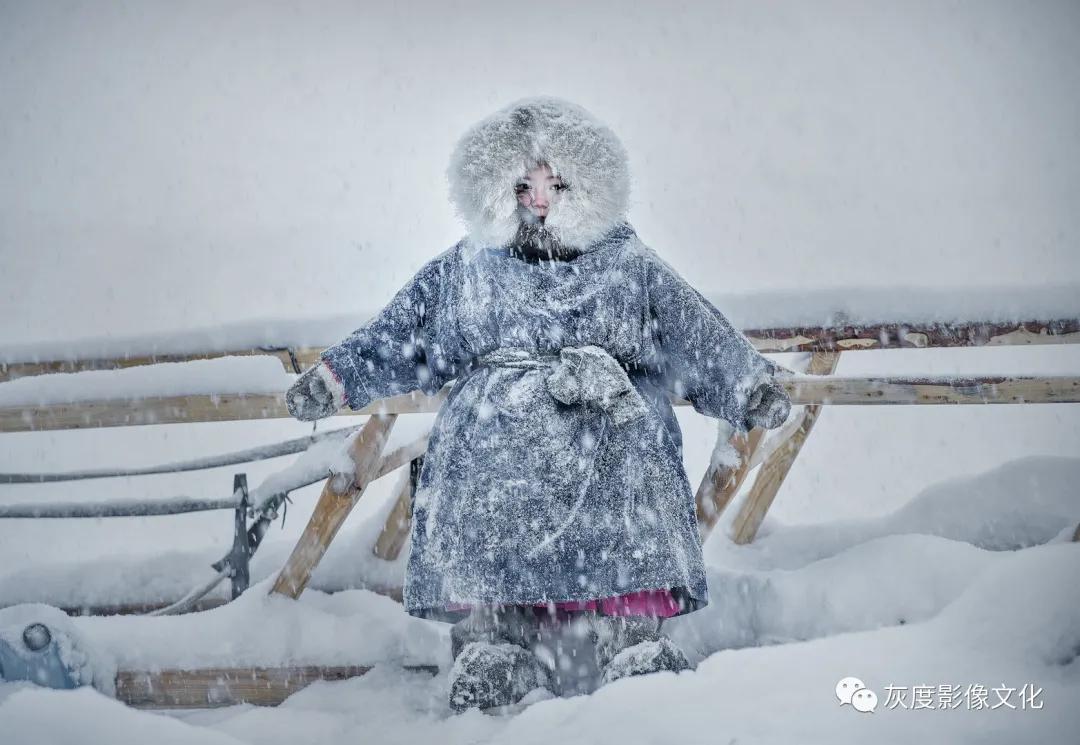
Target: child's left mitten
(768,406)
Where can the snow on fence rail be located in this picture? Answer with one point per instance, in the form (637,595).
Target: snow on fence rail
(820,338)
(263,452)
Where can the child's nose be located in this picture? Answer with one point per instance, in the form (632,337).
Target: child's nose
(540,199)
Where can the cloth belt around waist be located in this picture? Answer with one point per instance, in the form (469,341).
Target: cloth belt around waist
(579,375)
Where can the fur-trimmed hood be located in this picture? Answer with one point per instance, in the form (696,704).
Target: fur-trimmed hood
(495,153)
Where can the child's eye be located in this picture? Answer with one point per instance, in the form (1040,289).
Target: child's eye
(560,187)
(521,188)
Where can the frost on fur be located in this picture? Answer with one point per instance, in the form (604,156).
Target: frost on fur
(500,149)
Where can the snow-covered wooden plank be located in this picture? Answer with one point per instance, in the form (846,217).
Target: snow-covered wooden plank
(805,391)
(121,508)
(399,456)
(337,500)
(215,687)
(392,461)
(291,360)
(900,335)
(137,608)
(226,407)
(394,592)
(990,389)
(248,455)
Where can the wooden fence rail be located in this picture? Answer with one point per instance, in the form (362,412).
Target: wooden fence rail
(209,688)
(845,338)
(820,390)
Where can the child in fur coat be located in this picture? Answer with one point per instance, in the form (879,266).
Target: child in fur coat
(554,524)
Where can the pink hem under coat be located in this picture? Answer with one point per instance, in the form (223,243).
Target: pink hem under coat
(654,603)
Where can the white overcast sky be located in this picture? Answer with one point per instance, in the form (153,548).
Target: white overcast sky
(175,165)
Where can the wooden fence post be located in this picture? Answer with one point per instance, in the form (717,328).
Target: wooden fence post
(721,483)
(775,469)
(396,529)
(337,500)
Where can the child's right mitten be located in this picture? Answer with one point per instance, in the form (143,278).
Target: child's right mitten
(316,394)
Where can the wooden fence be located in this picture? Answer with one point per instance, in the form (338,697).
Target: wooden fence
(771,455)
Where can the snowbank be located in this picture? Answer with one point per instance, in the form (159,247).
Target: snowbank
(350,627)
(739,696)
(1021,503)
(29,714)
(835,595)
(782,693)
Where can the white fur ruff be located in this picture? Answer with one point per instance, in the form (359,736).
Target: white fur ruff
(494,154)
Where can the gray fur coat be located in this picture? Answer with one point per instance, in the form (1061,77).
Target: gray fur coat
(524,498)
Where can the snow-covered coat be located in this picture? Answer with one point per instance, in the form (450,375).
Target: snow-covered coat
(522,498)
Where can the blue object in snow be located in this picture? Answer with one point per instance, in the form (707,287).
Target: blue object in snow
(37,660)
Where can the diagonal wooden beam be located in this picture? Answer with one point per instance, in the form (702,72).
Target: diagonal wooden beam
(775,469)
(396,528)
(402,455)
(772,442)
(337,500)
(721,482)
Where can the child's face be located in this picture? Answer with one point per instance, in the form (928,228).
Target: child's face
(538,190)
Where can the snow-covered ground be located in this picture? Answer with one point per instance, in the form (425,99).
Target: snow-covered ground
(973,583)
